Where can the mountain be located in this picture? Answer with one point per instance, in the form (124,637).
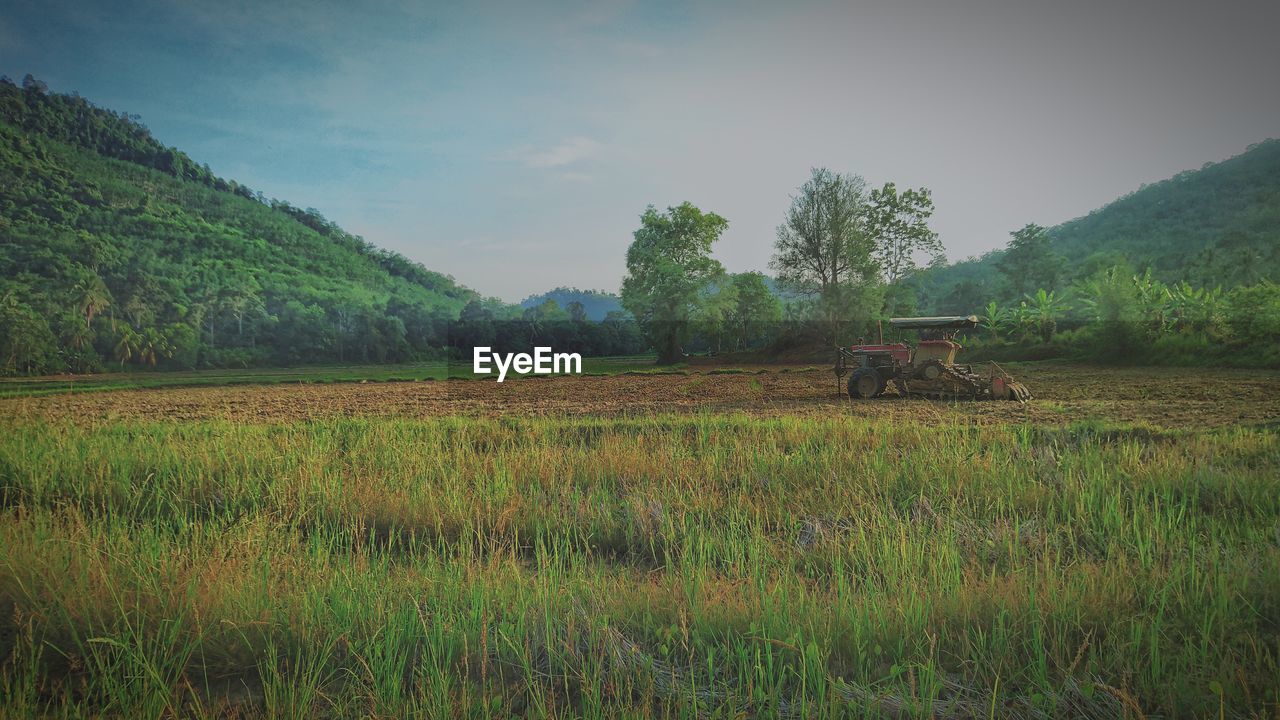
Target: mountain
(1219,225)
(597,303)
(119,250)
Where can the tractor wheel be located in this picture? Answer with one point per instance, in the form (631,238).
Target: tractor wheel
(865,383)
(931,370)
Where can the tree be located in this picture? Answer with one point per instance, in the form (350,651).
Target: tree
(668,265)
(91,298)
(899,223)
(127,344)
(756,310)
(823,248)
(1029,262)
(27,344)
(152,345)
(962,298)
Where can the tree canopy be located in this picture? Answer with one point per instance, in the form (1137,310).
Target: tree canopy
(669,265)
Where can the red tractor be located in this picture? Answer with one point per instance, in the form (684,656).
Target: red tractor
(927,370)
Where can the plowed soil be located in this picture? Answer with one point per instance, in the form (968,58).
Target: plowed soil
(1063,393)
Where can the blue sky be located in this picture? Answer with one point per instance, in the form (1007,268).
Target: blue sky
(513,145)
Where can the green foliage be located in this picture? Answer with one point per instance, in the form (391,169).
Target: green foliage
(899,222)
(1043,312)
(756,311)
(668,266)
(1216,226)
(119,249)
(1028,262)
(597,304)
(1116,315)
(825,252)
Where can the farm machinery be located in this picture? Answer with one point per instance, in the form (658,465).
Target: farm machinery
(927,369)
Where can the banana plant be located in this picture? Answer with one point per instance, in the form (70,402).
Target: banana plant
(1045,308)
(1154,300)
(994,319)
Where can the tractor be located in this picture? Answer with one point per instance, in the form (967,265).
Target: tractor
(928,369)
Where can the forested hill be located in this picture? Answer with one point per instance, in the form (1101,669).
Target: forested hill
(596,304)
(1216,226)
(115,249)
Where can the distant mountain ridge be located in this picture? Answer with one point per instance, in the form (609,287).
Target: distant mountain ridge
(596,303)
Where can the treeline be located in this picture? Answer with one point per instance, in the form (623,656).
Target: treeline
(597,304)
(1039,305)
(843,253)
(120,252)
(508,328)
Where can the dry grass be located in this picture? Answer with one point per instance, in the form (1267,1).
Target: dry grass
(671,565)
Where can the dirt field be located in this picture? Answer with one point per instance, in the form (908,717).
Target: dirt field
(1063,393)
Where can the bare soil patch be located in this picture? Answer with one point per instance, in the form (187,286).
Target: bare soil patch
(1165,397)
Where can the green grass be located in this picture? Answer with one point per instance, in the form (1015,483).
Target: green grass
(668,565)
(439,370)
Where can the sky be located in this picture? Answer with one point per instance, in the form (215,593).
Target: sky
(514,145)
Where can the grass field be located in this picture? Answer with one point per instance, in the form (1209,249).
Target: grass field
(723,545)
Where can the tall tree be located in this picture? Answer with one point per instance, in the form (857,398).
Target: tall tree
(899,223)
(824,249)
(668,265)
(1030,263)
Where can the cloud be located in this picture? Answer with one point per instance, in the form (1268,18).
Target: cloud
(566,152)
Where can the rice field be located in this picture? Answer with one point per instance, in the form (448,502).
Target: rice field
(701,563)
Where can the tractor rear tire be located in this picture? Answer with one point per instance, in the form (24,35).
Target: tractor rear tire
(865,383)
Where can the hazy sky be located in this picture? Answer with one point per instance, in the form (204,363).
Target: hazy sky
(514,145)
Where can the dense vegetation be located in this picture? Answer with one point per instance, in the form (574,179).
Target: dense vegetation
(1118,316)
(706,566)
(596,304)
(1218,226)
(119,250)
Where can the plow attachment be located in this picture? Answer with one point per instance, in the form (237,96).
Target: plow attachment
(939,381)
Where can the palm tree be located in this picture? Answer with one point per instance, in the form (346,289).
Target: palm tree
(127,345)
(92,297)
(79,335)
(153,343)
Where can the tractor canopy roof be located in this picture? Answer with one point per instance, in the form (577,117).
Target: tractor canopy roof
(957,322)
